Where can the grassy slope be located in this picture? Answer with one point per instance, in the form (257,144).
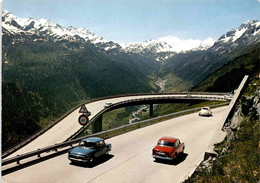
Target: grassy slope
(241,163)
(242,160)
(228,77)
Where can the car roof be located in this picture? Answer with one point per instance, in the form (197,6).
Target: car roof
(169,139)
(92,139)
(205,107)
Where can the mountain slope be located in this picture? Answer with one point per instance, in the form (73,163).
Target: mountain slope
(228,77)
(58,67)
(165,47)
(194,66)
(21,113)
(56,71)
(28,26)
(159,49)
(63,68)
(89,62)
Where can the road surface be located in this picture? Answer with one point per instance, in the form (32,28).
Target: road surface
(130,159)
(69,125)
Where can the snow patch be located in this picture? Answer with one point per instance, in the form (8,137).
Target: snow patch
(170,44)
(52,28)
(238,34)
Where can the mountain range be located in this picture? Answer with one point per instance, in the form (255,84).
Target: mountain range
(28,26)
(159,49)
(47,68)
(176,57)
(168,58)
(192,67)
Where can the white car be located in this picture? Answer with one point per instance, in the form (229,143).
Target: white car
(205,111)
(107,104)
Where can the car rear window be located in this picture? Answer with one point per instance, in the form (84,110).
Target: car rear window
(165,143)
(87,144)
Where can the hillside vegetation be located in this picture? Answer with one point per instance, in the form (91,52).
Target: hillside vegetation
(227,77)
(21,114)
(43,81)
(53,75)
(241,161)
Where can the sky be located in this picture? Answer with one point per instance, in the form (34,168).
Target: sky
(127,21)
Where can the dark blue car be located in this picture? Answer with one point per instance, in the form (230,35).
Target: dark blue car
(89,149)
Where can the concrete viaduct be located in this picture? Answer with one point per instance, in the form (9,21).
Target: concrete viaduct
(150,100)
(67,127)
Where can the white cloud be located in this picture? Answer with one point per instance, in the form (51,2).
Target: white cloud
(258,1)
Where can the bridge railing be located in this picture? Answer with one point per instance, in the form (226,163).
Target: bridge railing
(70,143)
(143,99)
(37,134)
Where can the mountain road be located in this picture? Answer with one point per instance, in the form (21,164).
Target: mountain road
(130,159)
(69,125)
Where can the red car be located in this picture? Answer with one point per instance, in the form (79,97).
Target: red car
(168,148)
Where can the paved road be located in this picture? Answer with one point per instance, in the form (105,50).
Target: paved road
(130,159)
(69,125)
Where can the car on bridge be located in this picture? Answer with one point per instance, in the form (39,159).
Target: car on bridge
(168,148)
(89,149)
(108,104)
(205,111)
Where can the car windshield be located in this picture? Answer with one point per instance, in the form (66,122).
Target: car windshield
(165,143)
(205,108)
(87,144)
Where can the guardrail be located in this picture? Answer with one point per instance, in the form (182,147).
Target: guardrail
(219,135)
(115,105)
(70,143)
(37,134)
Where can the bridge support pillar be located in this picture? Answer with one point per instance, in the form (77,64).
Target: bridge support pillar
(97,125)
(151,109)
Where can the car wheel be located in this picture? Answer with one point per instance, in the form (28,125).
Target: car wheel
(175,157)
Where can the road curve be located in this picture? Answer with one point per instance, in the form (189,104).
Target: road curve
(69,125)
(130,159)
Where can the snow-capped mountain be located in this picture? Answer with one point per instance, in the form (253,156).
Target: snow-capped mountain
(14,25)
(165,47)
(170,44)
(39,53)
(159,49)
(236,43)
(247,33)
(248,28)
